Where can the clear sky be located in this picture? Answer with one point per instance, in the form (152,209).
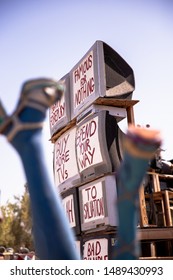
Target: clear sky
(47,38)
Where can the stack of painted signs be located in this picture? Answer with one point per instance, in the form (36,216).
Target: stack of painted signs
(88,147)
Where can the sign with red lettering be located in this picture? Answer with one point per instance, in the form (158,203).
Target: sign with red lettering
(98,204)
(96,249)
(101,72)
(68,204)
(57,112)
(83,80)
(87,144)
(93,202)
(65,165)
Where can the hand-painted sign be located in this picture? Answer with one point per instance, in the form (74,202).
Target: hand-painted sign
(83,80)
(65,165)
(98,204)
(57,112)
(87,144)
(93,202)
(96,249)
(68,204)
(102,72)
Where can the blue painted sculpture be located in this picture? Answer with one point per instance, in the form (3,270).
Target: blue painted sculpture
(140,146)
(53,237)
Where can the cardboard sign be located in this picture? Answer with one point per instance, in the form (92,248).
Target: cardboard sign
(87,144)
(83,80)
(93,202)
(65,165)
(96,249)
(68,204)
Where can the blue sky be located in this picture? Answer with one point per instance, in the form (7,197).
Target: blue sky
(47,38)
